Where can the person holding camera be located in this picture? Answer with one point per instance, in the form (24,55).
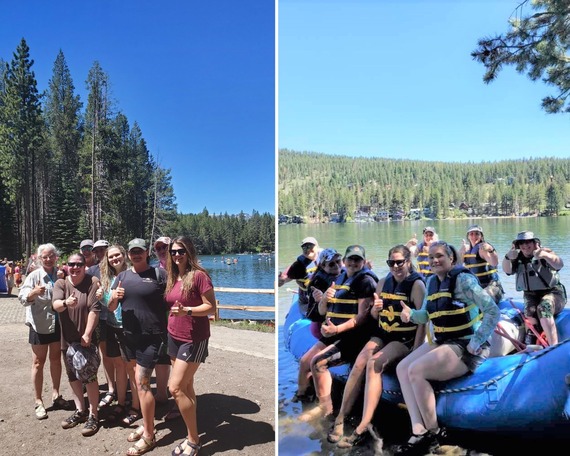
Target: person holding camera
(536,270)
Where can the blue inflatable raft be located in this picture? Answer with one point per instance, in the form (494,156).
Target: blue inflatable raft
(518,394)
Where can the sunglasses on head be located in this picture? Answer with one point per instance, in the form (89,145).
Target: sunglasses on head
(178,252)
(75,265)
(392,263)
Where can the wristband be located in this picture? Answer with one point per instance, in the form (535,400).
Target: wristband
(189,311)
(507,258)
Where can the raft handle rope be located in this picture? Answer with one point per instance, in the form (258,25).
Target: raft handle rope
(529,325)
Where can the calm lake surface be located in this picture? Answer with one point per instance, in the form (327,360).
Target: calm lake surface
(296,438)
(251,271)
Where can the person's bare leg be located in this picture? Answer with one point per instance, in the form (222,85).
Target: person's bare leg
(55,367)
(39,355)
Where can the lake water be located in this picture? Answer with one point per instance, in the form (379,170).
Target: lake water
(251,271)
(377,238)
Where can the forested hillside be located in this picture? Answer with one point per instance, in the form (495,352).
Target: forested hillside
(73,169)
(317,186)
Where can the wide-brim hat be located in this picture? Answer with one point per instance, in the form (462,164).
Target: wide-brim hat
(475,228)
(355,250)
(309,240)
(525,236)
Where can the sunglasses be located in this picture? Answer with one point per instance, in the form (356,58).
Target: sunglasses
(75,265)
(330,264)
(392,263)
(307,246)
(87,247)
(519,243)
(178,252)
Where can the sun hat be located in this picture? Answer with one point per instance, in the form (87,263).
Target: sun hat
(309,240)
(355,250)
(473,228)
(163,240)
(101,243)
(85,360)
(86,242)
(430,229)
(525,236)
(137,243)
(327,255)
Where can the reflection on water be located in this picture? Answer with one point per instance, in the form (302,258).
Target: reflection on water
(250,271)
(297,438)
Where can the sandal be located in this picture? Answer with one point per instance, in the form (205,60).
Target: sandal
(337,432)
(40,412)
(132,416)
(138,448)
(179,449)
(117,412)
(353,440)
(107,399)
(194,448)
(136,435)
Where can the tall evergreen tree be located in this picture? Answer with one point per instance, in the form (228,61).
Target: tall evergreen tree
(22,145)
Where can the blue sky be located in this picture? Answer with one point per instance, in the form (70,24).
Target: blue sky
(197,76)
(395,79)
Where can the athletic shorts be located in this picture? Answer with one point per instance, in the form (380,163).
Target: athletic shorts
(101,330)
(35,338)
(144,349)
(190,352)
(115,342)
(459,347)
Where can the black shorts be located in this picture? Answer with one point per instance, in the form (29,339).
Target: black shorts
(189,352)
(115,342)
(102,330)
(144,349)
(35,338)
(459,346)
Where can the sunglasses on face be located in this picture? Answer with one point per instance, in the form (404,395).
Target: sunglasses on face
(75,265)
(355,258)
(392,263)
(330,264)
(88,248)
(519,243)
(307,246)
(180,252)
(136,251)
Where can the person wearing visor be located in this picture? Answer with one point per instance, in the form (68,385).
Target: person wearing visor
(346,330)
(161,250)
(536,268)
(421,250)
(302,269)
(329,267)
(482,259)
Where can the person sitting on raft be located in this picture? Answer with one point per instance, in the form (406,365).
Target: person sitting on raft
(392,340)
(462,316)
(536,270)
(346,329)
(420,251)
(329,267)
(482,259)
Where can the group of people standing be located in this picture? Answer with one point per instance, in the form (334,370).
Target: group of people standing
(432,321)
(140,315)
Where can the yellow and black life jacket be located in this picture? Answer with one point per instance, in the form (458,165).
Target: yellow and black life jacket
(484,272)
(450,318)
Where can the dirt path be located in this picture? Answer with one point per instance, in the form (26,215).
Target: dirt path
(235,389)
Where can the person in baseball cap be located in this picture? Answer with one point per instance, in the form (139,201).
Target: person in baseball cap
(99,248)
(137,243)
(86,248)
(355,251)
(161,249)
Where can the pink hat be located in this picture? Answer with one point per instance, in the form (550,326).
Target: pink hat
(163,240)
